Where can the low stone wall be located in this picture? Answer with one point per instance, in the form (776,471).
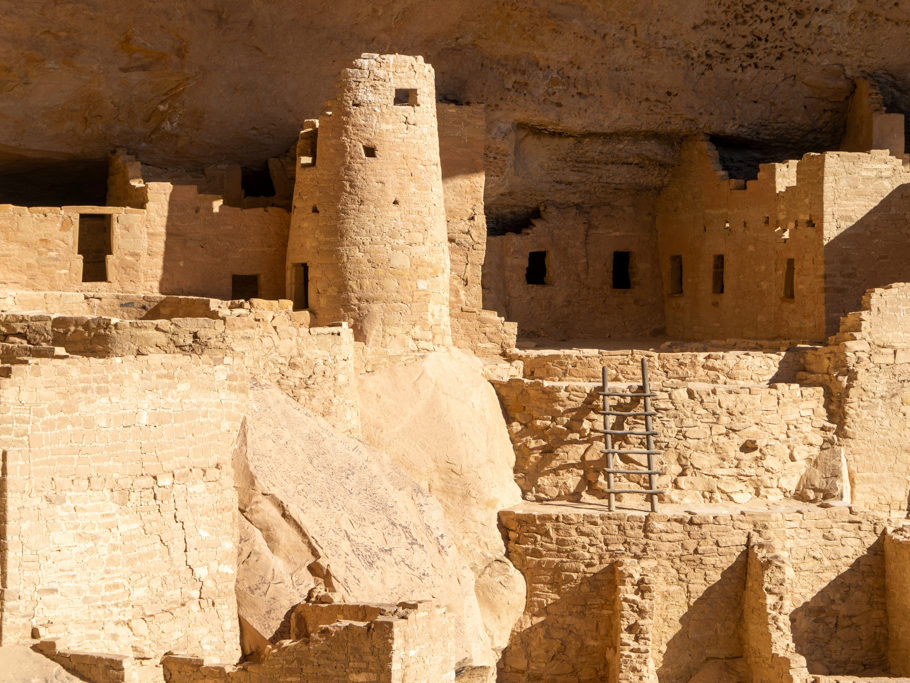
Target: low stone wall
(377,643)
(696,571)
(719,442)
(117,504)
(679,361)
(314,366)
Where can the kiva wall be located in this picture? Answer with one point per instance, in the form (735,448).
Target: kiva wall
(118,505)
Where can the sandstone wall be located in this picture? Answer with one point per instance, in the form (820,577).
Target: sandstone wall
(411,643)
(866,200)
(756,227)
(719,442)
(697,565)
(314,366)
(175,241)
(577,299)
(118,504)
(369,216)
(866,371)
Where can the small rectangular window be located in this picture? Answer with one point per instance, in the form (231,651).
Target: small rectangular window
(789,291)
(622,276)
(300,286)
(676,274)
(536,272)
(94,245)
(244,286)
(405,97)
(369,152)
(717,280)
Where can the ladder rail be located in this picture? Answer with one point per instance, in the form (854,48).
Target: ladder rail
(649,433)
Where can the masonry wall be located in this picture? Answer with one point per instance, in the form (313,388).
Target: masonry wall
(376,238)
(697,564)
(166,238)
(866,204)
(756,226)
(314,366)
(380,644)
(118,506)
(577,299)
(735,441)
(866,370)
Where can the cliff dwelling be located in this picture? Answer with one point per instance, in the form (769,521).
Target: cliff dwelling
(514,342)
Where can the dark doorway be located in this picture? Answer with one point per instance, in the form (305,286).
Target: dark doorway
(622,276)
(300,286)
(536,272)
(676,274)
(94,245)
(789,291)
(717,275)
(244,286)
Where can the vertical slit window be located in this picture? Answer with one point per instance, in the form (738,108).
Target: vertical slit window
(789,291)
(300,283)
(676,274)
(717,275)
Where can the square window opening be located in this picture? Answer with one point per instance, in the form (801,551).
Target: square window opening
(405,97)
(789,272)
(536,272)
(244,286)
(300,286)
(369,152)
(622,276)
(94,245)
(717,279)
(676,274)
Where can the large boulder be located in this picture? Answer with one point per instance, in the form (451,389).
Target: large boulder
(326,516)
(439,420)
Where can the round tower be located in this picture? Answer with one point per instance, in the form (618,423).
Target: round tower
(370,221)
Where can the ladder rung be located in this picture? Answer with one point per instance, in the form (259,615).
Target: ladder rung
(622,414)
(619,451)
(622,393)
(620,432)
(616,471)
(647,492)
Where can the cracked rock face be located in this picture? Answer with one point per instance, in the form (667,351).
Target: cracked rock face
(206,82)
(323,513)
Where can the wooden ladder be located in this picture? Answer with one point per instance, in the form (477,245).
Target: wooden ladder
(649,433)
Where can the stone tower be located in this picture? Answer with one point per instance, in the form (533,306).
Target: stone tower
(368,241)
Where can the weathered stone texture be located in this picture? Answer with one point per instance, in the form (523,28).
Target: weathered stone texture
(369,212)
(118,504)
(375,643)
(697,566)
(719,442)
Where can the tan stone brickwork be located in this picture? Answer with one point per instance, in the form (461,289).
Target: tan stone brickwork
(353,643)
(314,366)
(369,214)
(718,442)
(569,555)
(866,372)
(119,505)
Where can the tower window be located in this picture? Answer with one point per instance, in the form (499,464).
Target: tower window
(536,272)
(717,279)
(405,97)
(94,245)
(244,286)
(300,286)
(369,152)
(622,278)
(789,291)
(676,274)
